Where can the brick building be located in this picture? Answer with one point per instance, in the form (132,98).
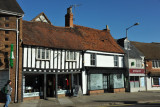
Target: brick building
(11,34)
(152,62)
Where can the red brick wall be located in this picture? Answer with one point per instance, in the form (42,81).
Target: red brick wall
(7,40)
(149,67)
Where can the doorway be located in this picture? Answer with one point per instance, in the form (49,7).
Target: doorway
(106,83)
(50,91)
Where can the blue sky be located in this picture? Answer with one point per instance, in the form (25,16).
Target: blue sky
(117,14)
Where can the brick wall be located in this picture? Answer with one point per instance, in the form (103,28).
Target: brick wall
(149,67)
(6,39)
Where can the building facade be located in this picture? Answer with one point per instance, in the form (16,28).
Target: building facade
(10,49)
(134,61)
(152,63)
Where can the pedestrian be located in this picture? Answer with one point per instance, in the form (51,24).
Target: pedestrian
(8,94)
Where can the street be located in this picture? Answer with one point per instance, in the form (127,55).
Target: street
(138,99)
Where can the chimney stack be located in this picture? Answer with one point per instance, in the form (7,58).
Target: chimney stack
(69,18)
(107,28)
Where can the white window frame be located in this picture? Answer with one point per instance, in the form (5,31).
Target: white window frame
(71,56)
(139,63)
(45,54)
(156,64)
(116,60)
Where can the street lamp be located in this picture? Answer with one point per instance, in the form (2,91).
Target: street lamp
(130,27)
(128,52)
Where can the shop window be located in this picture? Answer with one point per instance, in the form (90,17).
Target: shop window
(32,85)
(156,81)
(116,61)
(71,56)
(134,81)
(118,81)
(64,84)
(43,54)
(96,81)
(93,59)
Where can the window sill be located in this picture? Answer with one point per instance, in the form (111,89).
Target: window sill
(71,60)
(42,59)
(155,85)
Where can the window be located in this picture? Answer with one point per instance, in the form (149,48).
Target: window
(6,46)
(116,61)
(6,25)
(6,39)
(156,64)
(71,56)
(138,63)
(93,59)
(6,18)
(134,81)
(43,54)
(6,32)
(156,81)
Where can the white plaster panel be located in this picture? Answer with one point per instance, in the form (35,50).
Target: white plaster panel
(51,60)
(25,57)
(42,64)
(33,57)
(29,57)
(87,59)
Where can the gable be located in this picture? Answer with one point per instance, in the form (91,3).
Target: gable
(41,18)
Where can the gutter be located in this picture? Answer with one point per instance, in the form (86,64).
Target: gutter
(11,13)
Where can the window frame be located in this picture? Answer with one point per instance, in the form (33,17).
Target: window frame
(116,61)
(156,64)
(71,56)
(93,59)
(138,63)
(39,54)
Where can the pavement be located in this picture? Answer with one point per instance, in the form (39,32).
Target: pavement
(100,100)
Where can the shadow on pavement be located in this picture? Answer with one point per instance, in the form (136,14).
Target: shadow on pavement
(124,102)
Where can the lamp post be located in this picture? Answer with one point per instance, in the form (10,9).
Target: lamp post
(128,46)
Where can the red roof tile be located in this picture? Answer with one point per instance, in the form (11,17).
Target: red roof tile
(77,38)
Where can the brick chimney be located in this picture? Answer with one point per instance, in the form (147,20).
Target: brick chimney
(69,18)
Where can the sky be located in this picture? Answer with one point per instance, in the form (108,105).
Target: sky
(117,14)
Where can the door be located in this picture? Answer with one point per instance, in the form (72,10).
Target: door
(106,82)
(50,91)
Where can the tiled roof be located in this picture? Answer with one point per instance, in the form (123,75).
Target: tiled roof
(151,51)
(77,38)
(10,6)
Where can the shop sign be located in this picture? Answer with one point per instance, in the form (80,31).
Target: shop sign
(136,71)
(32,94)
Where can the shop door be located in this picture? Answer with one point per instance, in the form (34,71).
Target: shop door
(106,82)
(50,86)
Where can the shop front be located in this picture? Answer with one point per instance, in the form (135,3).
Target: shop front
(36,86)
(137,80)
(106,80)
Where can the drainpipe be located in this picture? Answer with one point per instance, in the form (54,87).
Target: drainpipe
(17,62)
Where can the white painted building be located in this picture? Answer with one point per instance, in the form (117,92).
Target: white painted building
(104,72)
